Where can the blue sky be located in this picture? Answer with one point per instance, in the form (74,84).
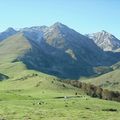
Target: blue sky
(85,16)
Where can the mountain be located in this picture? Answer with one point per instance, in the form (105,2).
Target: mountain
(105,40)
(76,45)
(56,50)
(10,31)
(64,52)
(59,51)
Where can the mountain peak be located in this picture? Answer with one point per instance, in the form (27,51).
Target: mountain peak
(58,25)
(105,40)
(10,29)
(8,32)
(59,28)
(103,31)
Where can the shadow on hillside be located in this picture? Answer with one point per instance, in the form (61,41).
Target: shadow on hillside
(52,61)
(3,77)
(57,62)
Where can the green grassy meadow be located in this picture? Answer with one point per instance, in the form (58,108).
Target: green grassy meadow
(36,96)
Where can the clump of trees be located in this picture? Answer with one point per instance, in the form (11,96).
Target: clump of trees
(95,91)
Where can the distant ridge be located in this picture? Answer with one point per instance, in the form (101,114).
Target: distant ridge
(105,40)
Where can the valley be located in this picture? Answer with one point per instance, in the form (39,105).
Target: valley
(34,61)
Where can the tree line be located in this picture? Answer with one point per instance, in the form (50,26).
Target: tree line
(95,91)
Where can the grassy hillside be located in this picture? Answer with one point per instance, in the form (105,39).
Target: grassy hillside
(109,80)
(29,94)
(36,96)
(10,49)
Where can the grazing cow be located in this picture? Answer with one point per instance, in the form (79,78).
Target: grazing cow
(65,97)
(39,103)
